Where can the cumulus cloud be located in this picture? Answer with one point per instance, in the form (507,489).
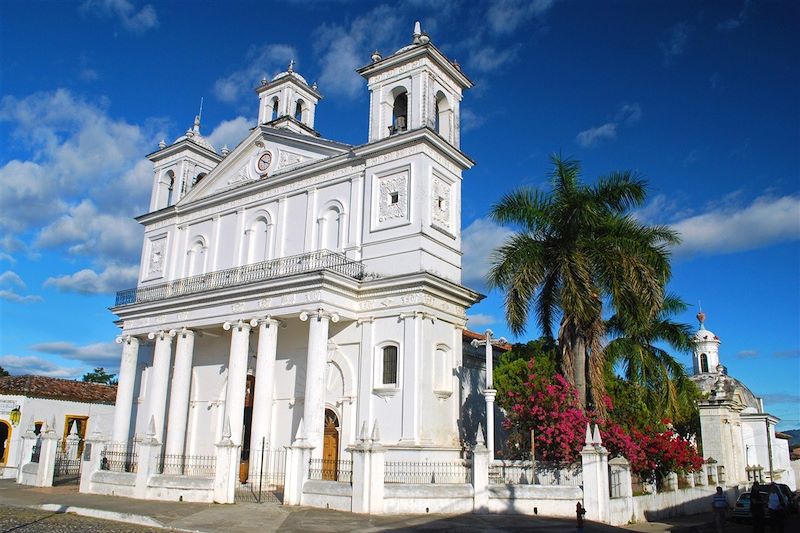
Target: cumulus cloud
(11,278)
(31,364)
(505,16)
(12,296)
(675,42)
(479,320)
(132,19)
(592,136)
(724,229)
(478,240)
(105,354)
(10,281)
(88,281)
(261,62)
(230,132)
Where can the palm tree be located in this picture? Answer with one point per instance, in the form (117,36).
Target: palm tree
(666,385)
(574,250)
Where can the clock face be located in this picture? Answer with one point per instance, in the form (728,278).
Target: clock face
(263,162)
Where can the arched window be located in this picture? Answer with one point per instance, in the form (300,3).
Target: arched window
(298,111)
(170,188)
(197,178)
(196,258)
(258,240)
(442,370)
(389,365)
(443,118)
(703,363)
(400,111)
(330,229)
(274,109)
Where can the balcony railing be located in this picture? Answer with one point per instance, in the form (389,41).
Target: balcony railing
(232,277)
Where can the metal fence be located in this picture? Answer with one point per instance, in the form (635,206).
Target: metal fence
(187,465)
(427,472)
(36,451)
(274,268)
(67,468)
(615,479)
(535,473)
(331,470)
(263,479)
(119,458)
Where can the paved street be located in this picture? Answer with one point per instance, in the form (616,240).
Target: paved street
(18,519)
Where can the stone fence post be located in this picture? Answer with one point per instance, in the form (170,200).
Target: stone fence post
(149,454)
(480,474)
(226,472)
(90,460)
(621,476)
(297,457)
(377,470)
(368,470)
(47,458)
(26,450)
(594,457)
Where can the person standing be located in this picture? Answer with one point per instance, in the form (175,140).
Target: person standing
(757,508)
(579,512)
(719,504)
(777,508)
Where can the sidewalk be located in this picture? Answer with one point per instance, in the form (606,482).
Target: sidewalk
(268,517)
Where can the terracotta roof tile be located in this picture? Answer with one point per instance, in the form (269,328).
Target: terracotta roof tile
(467,334)
(58,389)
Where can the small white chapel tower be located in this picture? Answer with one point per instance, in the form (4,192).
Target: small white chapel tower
(705,349)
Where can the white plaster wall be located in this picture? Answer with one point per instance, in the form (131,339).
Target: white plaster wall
(534,499)
(654,507)
(328,495)
(422,499)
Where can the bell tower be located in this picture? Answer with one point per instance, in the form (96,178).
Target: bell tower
(416,87)
(705,350)
(288,101)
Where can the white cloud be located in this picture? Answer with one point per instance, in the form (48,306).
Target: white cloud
(746,354)
(230,132)
(12,296)
(675,43)
(594,135)
(478,241)
(505,16)
(87,281)
(105,354)
(31,364)
(735,22)
(479,320)
(7,257)
(629,113)
(262,62)
(131,18)
(724,229)
(470,120)
(11,278)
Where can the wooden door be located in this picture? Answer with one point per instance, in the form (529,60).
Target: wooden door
(330,446)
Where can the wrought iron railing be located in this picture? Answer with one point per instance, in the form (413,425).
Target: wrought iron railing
(119,458)
(330,470)
(534,473)
(427,472)
(68,458)
(187,465)
(36,452)
(231,277)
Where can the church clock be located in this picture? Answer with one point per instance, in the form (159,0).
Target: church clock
(263,163)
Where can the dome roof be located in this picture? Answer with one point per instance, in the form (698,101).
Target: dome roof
(194,136)
(291,73)
(703,334)
(721,386)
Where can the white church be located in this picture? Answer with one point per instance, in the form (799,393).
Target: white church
(299,278)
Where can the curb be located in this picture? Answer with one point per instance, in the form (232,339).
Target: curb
(127,518)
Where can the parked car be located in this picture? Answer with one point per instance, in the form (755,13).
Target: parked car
(792,501)
(742,508)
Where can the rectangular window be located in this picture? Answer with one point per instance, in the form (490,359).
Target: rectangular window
(394,198)
(390,365)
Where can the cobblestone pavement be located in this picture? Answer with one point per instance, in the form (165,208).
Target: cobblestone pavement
(22,520)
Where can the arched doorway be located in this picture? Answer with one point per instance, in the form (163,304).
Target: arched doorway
(5,441)
(330,446)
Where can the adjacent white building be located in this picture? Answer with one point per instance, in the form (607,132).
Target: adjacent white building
(299,278)
(736,430)
(34,402)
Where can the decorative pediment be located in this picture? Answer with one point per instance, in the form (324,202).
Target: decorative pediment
(266,152)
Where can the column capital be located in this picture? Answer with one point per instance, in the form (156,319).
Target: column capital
(161,335)
(183,332)
(127,339)
(490,394)
(319,314)
(267,321)
(239,324)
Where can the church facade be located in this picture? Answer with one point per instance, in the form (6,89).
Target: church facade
(737,433)
(299,281)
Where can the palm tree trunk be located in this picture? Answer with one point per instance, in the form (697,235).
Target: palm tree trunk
(579,368)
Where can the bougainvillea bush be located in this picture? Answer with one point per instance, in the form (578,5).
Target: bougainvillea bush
(548,406)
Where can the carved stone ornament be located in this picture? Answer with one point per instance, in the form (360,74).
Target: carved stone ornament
(440,204)
(288,159)
(242,176)
(156,263)
(393,199)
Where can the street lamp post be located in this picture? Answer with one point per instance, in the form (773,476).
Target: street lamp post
(489,392)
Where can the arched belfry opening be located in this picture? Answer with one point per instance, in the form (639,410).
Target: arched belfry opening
(443,116)
(703,363)
(298,111)
(274,109)
(399,111)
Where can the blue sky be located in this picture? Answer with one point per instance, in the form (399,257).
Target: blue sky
(700,98)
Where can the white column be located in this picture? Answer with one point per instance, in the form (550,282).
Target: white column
(264,390)
(125,385)
(237,377)
(157,392)
(490,395)
(314,398)
(179,393)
